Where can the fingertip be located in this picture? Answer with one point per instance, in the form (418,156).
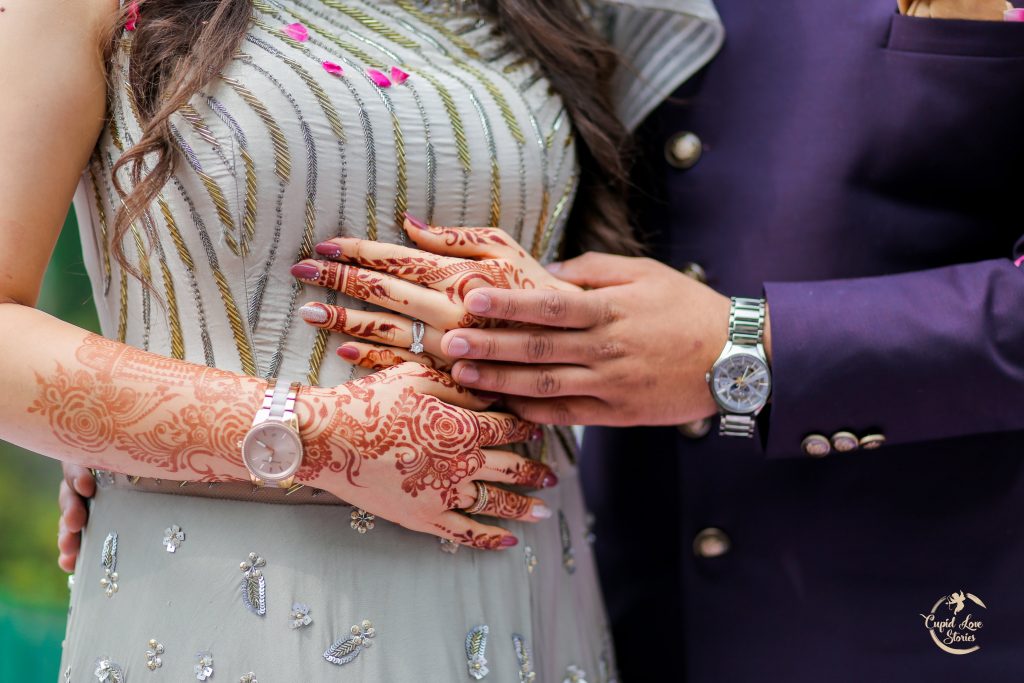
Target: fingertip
(348,352)
(509,541)
(550,480)
(314,313)
(478,301)
(85,485)
(412,223)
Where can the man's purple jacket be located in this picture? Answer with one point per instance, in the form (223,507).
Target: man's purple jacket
(865,172)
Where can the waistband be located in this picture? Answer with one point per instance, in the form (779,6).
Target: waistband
(298,494)
(555,439)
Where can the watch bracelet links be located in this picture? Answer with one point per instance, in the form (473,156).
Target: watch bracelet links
(746,328)
(278,399)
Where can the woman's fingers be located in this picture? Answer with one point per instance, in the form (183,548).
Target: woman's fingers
(506,467)
(380,289)
(387,328)
(478,243)
(499,429)
(376,357)
(499,502)
(466,531)
(80,479)
(394,259)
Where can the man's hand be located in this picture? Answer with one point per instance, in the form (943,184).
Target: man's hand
(77,485)
(632,350)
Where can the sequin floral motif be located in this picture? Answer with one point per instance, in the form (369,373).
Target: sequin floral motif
(154,658)
(568,554)
(362,521)
(254,587)
(526,672)
(450,547)
(173,537)
(348,647)
(476,650)
(574,674)
(248,678)
(300,615)
(531,559)
(204,667)
(108,560)
(108,671)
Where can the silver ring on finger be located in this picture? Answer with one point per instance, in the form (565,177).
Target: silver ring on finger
(418,330)
(482,495)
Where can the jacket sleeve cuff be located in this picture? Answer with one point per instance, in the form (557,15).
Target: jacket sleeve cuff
(910,357)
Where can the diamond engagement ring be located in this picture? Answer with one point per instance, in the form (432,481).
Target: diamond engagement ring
(418,330)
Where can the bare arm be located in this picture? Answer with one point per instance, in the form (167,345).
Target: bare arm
(68,394)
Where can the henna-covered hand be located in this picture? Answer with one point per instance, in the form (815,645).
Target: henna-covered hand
(429,284)
(407,443)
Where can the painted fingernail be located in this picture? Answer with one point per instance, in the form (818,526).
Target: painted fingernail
(549,480)
(537,433)
(509,541)
(349,352)
(328,249)
(469,374)
(458,347)
(313,313)
(541,511)
(478,302)
(554,267)
(305,271)
(415,222)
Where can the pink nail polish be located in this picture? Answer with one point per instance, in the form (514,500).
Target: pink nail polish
(306,271)
(537,433)
(549,481)
(348,352)
(329,249)
(415,222)
(509,541)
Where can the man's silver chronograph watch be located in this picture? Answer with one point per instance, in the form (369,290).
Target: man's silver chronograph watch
(740,380)
(272,449)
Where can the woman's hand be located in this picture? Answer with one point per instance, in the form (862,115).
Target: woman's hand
(77,485)
(407,444)
(632,350)
(429,285)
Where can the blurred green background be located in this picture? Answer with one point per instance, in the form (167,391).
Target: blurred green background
(33,590)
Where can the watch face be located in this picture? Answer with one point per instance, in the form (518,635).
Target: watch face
(272,451)
(741,383)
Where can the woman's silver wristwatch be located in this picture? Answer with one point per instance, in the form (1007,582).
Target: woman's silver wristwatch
(740,379)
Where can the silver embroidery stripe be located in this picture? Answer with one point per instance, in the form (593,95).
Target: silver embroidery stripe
(568,554)
(476,651)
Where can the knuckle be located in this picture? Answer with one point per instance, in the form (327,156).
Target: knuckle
(539,346)
(552,307)
(490,347)
(609,312)
(509,307)
(609,349)
(547,383)
(561,413)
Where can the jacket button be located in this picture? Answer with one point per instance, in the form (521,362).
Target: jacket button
(696,429)
(683,150)
(816,446)
(872,441)
(844,442)
(711,542)
(696,271)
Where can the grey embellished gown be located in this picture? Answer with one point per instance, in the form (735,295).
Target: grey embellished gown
(336,118)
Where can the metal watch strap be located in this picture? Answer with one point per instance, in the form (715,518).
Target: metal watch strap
(746,321)
(278,401)
(746,328)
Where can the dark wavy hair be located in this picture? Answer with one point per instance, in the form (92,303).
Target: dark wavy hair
(178,44)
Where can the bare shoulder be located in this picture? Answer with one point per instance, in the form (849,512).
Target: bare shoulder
(43,22)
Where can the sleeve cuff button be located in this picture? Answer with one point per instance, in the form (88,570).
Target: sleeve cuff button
(816,446)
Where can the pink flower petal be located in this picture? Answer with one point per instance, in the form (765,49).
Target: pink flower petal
(296,31)
(398,76)
(1014,15)
(133,17)
(332,68)
(1019,262)
(380,79)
